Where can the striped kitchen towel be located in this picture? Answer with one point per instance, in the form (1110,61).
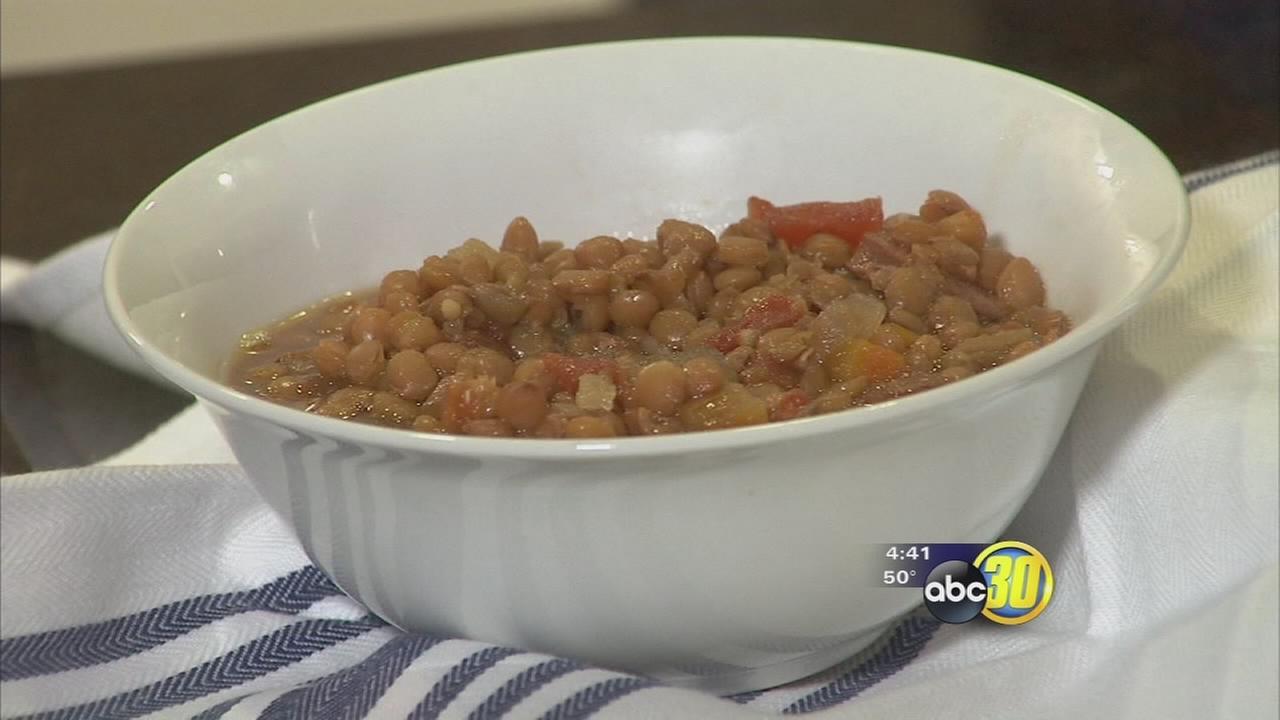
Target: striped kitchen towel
(233,621)
(172,591)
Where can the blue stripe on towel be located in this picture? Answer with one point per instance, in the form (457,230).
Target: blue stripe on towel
(84,645)
(248,662)
(463,674)
(589,700)
(908,638)
(1205,178)
(522,686)
(350,693)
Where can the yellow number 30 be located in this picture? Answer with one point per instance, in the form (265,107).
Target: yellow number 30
(1020,582)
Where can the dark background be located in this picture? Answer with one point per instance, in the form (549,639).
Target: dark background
(78,149)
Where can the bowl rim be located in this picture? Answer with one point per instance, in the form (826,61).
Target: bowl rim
(985,385)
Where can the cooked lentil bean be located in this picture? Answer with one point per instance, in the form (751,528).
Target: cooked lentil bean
(511,270)
(399,281)
(482,361)
(685,263)
(1020,285)
(588,426)
(499,303)
(748,251)
(643,421)
(648,250)
(598,252)
(941,204)
(909,229)
(444,356)
(397,301)
(628,268)
(331,358)
(737,277)
(702,376)
(521,239)
(411,376)
(685,333)
(700,290)
(670,326)
(957,332)
(528,340)
(411,330)
(448,304)
(722,304)
(956,258)
(346,403)
(391,409)
(547,248)
(826,288)
(522,404)
(734,406)
(474,268)
(660,387)
(965,226)
(907,319)
(911,288)
(750,227)
(990,265)
(827,250)
(560,260)
(675,236)
(581,282)
(438,273)
(666,283)
(370,323)
(365,362)
(923,354)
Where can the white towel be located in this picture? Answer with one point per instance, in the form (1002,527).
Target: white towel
(171,590)
(63,294)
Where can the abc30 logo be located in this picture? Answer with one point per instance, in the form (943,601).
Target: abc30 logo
(1010,583)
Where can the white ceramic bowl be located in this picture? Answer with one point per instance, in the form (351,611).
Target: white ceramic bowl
(725,560)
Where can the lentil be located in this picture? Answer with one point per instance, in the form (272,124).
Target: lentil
(781,317)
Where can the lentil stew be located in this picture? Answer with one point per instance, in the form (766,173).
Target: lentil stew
(792,311)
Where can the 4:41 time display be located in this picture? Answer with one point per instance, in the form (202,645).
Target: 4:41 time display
(908,552)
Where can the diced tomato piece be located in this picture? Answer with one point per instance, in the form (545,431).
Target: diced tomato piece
(790,404)
(849,221)
(451,414)
(467,400)
(760,209)
(771,312)
(725,340)
(568,370)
